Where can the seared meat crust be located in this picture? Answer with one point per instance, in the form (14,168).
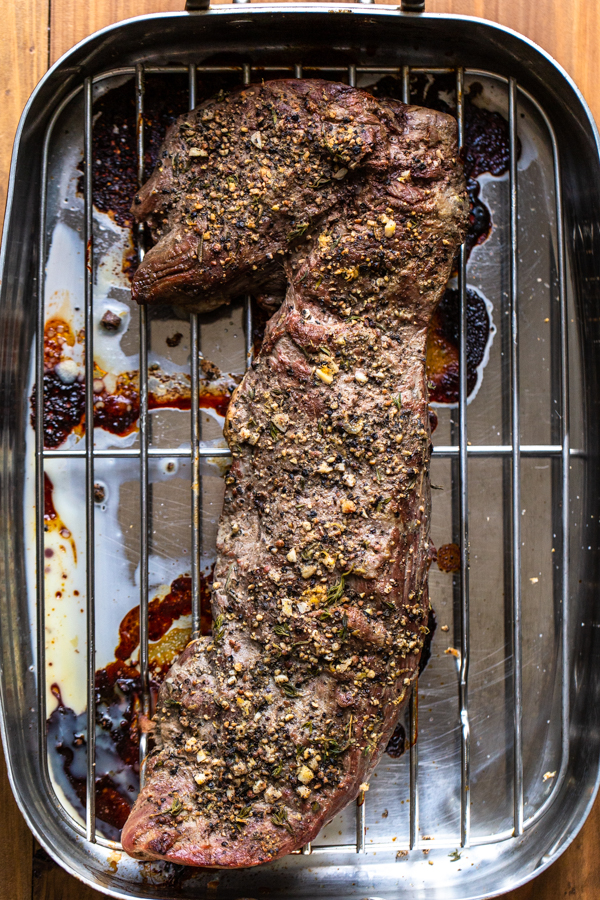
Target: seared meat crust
(267,729)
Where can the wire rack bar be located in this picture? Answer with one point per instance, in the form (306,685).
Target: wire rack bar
(307,849)
(413,703)
(360,800)
(248,343)
(533,451)
(360,70)
(41,673)
(463,503)
(144,438)
(196,435)
(39,486)
(90,538)
(518,813)
(413,767)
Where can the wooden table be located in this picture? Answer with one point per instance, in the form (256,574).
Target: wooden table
(38,32)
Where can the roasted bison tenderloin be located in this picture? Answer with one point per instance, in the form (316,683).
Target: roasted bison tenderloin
(265,730)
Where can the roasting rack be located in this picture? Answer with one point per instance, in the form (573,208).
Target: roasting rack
(459,452)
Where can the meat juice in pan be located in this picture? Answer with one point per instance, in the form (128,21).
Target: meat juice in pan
(117,494)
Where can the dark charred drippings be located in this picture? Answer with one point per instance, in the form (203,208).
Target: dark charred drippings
(118,707)
(487,141)
(114,140)
(443,341)
(398,742)
(64,407)
(480,222)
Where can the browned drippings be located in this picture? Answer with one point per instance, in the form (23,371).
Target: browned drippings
(50,514)
(58,335)
(448,558)
(162,612)
(53,522)
(119,411)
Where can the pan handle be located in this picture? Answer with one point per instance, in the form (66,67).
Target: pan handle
(405,5)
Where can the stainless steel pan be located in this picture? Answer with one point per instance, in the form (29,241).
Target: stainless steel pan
(507,762)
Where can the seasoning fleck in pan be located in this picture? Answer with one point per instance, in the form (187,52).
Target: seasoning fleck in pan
(507,759)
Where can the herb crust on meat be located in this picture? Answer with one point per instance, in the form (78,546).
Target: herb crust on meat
(265,730)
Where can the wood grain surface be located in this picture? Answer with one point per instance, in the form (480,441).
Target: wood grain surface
(34,34)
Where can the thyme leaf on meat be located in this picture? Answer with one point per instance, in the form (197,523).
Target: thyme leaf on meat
(336,591)
(218,629)
(331,747)
(289,690)
(176,807)
(309,551)
(298,231)
(280,818)
(344,629)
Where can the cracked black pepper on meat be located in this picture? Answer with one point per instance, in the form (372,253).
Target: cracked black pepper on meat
(355,206)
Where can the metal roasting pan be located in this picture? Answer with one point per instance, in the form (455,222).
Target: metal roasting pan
(507,763)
